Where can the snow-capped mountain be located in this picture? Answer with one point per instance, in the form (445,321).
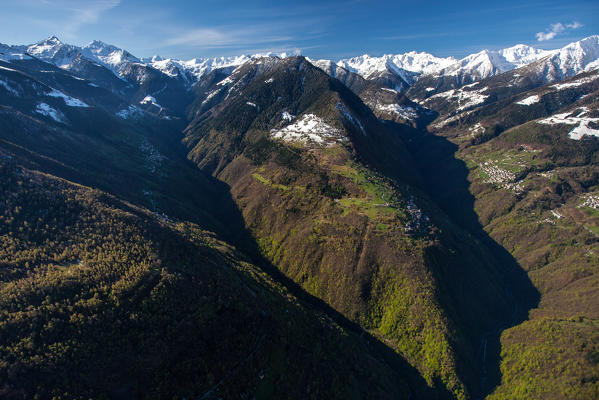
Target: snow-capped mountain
(192,70)
(330,67)
(353,80)
(67,56)
(398,70)
(577,57)
(52,50)
(408,66)
(412,65)
(170,80)
(520,66)
(487,63)
(574,58)
(521,54)
(108,55)
(119,60)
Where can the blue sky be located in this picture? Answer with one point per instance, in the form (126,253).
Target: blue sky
(319,29)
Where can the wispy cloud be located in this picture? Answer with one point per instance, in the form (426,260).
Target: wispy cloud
(65,18)
(556,29)
(266,35)
(221,37)
(85,13)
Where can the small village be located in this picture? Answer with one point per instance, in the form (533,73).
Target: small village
(592,201)
(501,177)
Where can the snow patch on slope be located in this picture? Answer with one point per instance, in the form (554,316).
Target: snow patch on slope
(529,100)
(575,83)
(45,109)
(404,112)
(150,100)
(68,100)
(211,95)
(583,127)
(309,129)
(464,98)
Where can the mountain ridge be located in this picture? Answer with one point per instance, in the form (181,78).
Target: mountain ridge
(408,66)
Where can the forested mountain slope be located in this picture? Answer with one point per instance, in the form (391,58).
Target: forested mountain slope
(332,197)
(104,299)
(530,160)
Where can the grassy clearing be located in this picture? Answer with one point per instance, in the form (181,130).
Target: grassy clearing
(267,182)
(373,209)
(515,161)
(380,199)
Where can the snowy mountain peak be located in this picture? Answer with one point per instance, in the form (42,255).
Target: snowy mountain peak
(365,65)
(480,65)
(100,47)
(573,59)
(108,55)
(407,66)
(45,45)
(585,50)
(54,51)
(421,62)
(195,68)
(522,54)
(51,40)
(487,63)
(97,44)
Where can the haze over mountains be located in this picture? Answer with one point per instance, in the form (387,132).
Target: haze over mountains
(271,226)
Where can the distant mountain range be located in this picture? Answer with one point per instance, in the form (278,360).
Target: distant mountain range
(408,67)
(168,81)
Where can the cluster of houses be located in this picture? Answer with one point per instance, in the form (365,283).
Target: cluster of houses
(501,177)
(591,201)
(418,222)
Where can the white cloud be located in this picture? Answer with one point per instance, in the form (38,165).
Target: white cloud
(555,29)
